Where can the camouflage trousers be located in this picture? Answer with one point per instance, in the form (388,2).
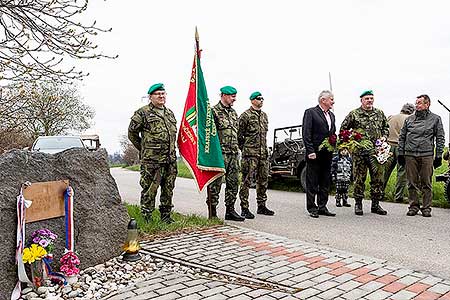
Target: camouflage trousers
(402,181)
(153,176)
(360,165)
(231,181)
(254,169)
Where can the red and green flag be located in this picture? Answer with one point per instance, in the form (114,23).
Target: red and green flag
(198,140)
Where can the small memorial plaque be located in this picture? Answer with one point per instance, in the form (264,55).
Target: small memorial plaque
(48,200)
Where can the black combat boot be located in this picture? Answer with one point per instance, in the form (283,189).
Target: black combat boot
(345,202)
(165,216)
(246,213)
(212,212)
(231,214)
(426,213)
(411,212)
(358,207)
(147,214)
(263,210)
(377,209)
(147,217)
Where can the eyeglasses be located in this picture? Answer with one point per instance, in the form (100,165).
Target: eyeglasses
(159,94)
(259,98)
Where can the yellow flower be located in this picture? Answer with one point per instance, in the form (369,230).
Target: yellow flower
(27,256)
(39,251)
(32,253)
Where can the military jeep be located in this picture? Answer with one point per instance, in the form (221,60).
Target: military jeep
(287,155)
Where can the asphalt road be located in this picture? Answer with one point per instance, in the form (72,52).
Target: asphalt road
(419,243)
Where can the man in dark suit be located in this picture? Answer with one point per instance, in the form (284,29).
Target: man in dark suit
(318,124)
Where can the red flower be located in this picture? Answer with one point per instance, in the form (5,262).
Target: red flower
(332,139)
(344,135)
(357,136)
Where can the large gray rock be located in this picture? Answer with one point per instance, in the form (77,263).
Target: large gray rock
(100,218)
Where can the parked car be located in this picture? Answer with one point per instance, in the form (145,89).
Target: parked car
(287,156)
(55,144)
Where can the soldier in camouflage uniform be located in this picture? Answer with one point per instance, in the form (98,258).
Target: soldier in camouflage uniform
(252,139)
(152,131)
(374,125)
(226,120)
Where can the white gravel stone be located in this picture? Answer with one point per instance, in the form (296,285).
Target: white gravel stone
(26,290)
(74,293)
(67,289)
(42,290)
(128,267)
(30,295)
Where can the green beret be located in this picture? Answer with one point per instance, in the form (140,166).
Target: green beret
(228,90)
(254,95)
(156,87)
(365,93)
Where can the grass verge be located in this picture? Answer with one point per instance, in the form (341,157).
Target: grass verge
(117,165)
(182,222)
(183,170)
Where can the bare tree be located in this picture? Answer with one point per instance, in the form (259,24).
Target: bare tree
(53,109)
(11,103)
(13,138)
(35,36)
(130,153)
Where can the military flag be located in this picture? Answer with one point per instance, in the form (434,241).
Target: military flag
(198,140)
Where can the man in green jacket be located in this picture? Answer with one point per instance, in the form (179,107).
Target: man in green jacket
(153,130)
(226,120)
(252,139)
(373,124)
(416,148)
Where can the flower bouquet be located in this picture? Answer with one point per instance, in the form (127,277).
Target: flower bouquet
(329,143)
(352,140)
(349,139)
(70,266)
(382,150)
(33,255)
(46,239)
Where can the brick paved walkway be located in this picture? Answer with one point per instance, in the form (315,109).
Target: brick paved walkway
(296,270)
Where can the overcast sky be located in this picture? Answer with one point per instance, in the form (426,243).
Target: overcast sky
(284,49)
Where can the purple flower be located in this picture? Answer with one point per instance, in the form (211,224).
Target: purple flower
(36,240)
(44,243)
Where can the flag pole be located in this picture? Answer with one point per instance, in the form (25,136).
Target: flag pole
(329,79)
(208,190)
(197,42)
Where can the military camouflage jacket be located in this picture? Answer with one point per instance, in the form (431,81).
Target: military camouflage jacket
(373,123)
(252,133)
(154,134)
(226,120)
